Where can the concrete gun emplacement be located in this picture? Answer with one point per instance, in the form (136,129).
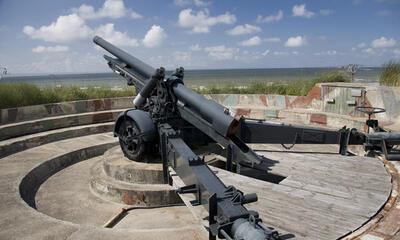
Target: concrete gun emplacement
(168,118)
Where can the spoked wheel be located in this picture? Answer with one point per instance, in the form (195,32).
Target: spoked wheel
(131,141)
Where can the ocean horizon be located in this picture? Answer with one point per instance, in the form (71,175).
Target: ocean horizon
(194,78)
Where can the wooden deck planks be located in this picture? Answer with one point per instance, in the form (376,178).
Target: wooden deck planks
(324,195)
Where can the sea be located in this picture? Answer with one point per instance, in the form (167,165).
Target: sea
(193,78)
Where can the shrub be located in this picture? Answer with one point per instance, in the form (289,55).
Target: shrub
(297,88)
(390,75)
(23,94)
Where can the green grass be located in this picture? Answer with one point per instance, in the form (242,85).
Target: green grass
(297,88)
(17,95)
(23,94)
(390,75)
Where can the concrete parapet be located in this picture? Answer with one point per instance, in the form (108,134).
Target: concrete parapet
(15,145)
(46,124)
(12,115)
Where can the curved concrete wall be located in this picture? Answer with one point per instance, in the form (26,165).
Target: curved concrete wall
(12,115)
(31,182)
(330,104)
(322,105)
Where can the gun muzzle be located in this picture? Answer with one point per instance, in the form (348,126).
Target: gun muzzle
(135,64)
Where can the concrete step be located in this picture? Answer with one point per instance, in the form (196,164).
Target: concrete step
(137,194)
(28,113)
(14,145)
(45,124)
(117,166)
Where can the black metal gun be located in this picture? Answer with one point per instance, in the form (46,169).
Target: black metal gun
(168,116)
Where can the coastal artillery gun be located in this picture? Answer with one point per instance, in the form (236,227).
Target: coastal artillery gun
(166,117)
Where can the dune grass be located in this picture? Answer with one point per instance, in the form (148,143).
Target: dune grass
(23,94)
(297,88)
(390,75)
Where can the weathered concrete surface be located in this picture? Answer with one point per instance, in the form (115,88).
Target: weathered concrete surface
(13,115)
(130,193)
(45,124)
(115,165)
(327,103)
(20,221)
(14,145)
(121,180)
(71,186)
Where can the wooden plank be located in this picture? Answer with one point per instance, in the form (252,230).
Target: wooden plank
(324,195)
(299,216)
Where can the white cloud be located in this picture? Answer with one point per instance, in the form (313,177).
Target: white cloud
(266,52)
(43,49)
(301,11)
(254,41)
(295,41)
(326,53)
(368,51)
(111,8)
(108,32)
(65,29)
(195,48)
(383,42)
(396,52)
(198,3)
(154,37)
(361,45)
(278,53)
(221,52)
(201,21)
(243,29)
(271,18)
(182,57)
(272,39)
(325,12)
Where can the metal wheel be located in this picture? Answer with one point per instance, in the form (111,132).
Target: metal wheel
(131,141)
(370,110)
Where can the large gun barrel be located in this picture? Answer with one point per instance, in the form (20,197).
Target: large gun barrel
(212,112)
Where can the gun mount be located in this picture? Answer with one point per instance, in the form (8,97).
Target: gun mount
(167,115)
(169,118)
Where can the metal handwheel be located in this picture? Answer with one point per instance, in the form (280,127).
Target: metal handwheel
(370,110)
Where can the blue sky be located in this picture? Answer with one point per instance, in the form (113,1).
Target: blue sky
(48,36)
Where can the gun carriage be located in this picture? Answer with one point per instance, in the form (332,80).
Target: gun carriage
(169,119)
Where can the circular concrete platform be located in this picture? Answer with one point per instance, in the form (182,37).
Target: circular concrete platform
(54,199)
(322,196)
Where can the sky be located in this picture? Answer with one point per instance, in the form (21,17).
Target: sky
(51,36)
